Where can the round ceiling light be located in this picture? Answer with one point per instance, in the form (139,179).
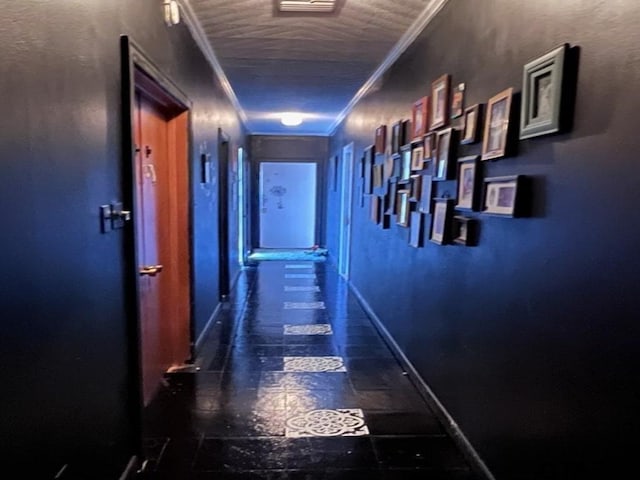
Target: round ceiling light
(291,119)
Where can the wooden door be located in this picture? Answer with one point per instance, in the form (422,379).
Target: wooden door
(161,224)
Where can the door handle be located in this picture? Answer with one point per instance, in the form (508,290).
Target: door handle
(150,270)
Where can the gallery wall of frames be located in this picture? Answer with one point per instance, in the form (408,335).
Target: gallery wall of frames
(444,140)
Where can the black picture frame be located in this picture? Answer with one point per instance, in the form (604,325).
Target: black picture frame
(415,189)
(381,139)
(416,230)
(441,222)
(440,101)
(502,196)
(390,198)
(469,183)
(369,159)
(465,231)
(472,124)
(395,137)
(403,208)
(446,151)
(426,194)
(405,164)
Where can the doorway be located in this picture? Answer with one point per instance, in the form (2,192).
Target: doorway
(223,214)
(243,210)
(287,204)
(345,210)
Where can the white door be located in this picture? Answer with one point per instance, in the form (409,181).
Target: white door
(287,205)
(345,210)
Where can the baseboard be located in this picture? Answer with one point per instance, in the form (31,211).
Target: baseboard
(131,469)
(452,428)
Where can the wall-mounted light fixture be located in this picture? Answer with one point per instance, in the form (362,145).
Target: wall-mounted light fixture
(171,12)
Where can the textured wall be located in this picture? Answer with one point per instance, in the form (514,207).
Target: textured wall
(63,311)
(530,339)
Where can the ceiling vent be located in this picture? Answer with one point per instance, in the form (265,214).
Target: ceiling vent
(307,6)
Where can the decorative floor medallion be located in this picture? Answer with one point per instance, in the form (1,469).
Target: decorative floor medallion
(298,266)
(299,275)
(303,288)
(315,329)
(304,306)
(314,364)
(342,422)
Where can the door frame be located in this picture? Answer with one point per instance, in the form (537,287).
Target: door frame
(224,253)
(243,204)
(346,210)
(132,59)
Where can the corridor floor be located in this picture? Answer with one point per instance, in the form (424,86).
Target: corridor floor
(294,382)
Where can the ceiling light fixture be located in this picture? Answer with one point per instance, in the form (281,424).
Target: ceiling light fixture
(171,12)
(307,6)
(291,119)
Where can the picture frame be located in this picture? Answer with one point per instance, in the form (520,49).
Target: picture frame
(395,137)
(426,189)
(420,118)
(469,178)
(497,125)
(501,196)
(417,158)
(388,170)
(377,176)
(405,132)
(429,146)
(465,231)
(390,199)
(416,188)
(375,209)
(368,169)
(416,230)
(446,151)
(545,94)
(472,124)
(457,100)
(405,164)
(381,139)
(440,225)
(440,94)
(403,208)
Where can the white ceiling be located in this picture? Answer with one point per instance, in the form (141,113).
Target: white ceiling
(309,63)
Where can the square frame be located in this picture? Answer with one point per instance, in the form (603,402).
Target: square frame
(465,231)
(441,223)
(472,124)
(469,179)
(544,88)
(501,196)
(426,189)
(446,151)
(420,118)
(440,104)
(497,125)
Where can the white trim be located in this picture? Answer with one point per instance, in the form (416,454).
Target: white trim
(428,14)
(195,27)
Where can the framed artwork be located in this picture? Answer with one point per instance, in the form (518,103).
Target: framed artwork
(381,139)
(544,94)
(501,195)
(445,154)
(403,208)
(405,132)
(390,199)
(417,158)
(426,185)
(377,176)
(429,145)
(368,170)
(387,170)
(416,188)
(416,232)
(395,137)
(440,224)
(468,182)
(440,89)
(496,126)
(465,231)
(472,124)
(420,118)
(457,100)
(375,209)
(405,163)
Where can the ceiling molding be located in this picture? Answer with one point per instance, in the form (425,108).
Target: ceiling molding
(201,40)
(428,14)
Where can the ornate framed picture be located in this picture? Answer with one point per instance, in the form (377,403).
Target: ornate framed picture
(445,154)
(420,118)
(457,100)
(472,124)
(416,232)
(497,125)
(544,94)
(440,225)
(468,183)
(465,231)
(417,158)
(440,93)
(429,145)
(501,196)
(403,208)
(381,139)
(426,187)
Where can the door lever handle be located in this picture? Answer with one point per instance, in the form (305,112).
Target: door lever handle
(150,270)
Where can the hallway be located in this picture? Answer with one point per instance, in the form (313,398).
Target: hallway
(293,340)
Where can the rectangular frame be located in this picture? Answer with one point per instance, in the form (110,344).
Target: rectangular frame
(417,158)
(501,196)
(395,137)
(446,151)
(543,89)
(457,100)
(390,200)
(469,179)
(429,146)
(426,189)
(420,118)
(465,231)
(440,94)
(377,175)
(497,125)
(374,212)
(405,164)
(416,230)
(472,124)
(416,188)
(440,225)
(403,208)
(368,170)
(381,139)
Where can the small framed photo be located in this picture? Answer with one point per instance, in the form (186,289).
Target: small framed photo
(395,137)
(544,94)
(416,188)
(390,199)
(387,169)
(381,139)
(465,231)
(417,158)
(441,219)
(368,170)
(440,93)
(405,163)
(426,187)
(501,196)
(472,124)
(497,125)
(420,119)
(445,154)
(457,100)
(377,175)
(375,209)
(403,208)
(468,183)
(429,146)
(416,232)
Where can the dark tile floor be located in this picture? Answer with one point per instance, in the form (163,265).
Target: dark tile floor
(294,382)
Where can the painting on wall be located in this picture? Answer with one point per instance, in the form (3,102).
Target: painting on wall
(440,92)
(472,124)
(497,125)
(501,195)
(468,182)
(440,224)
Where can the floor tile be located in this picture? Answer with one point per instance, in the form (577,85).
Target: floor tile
(327,423)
